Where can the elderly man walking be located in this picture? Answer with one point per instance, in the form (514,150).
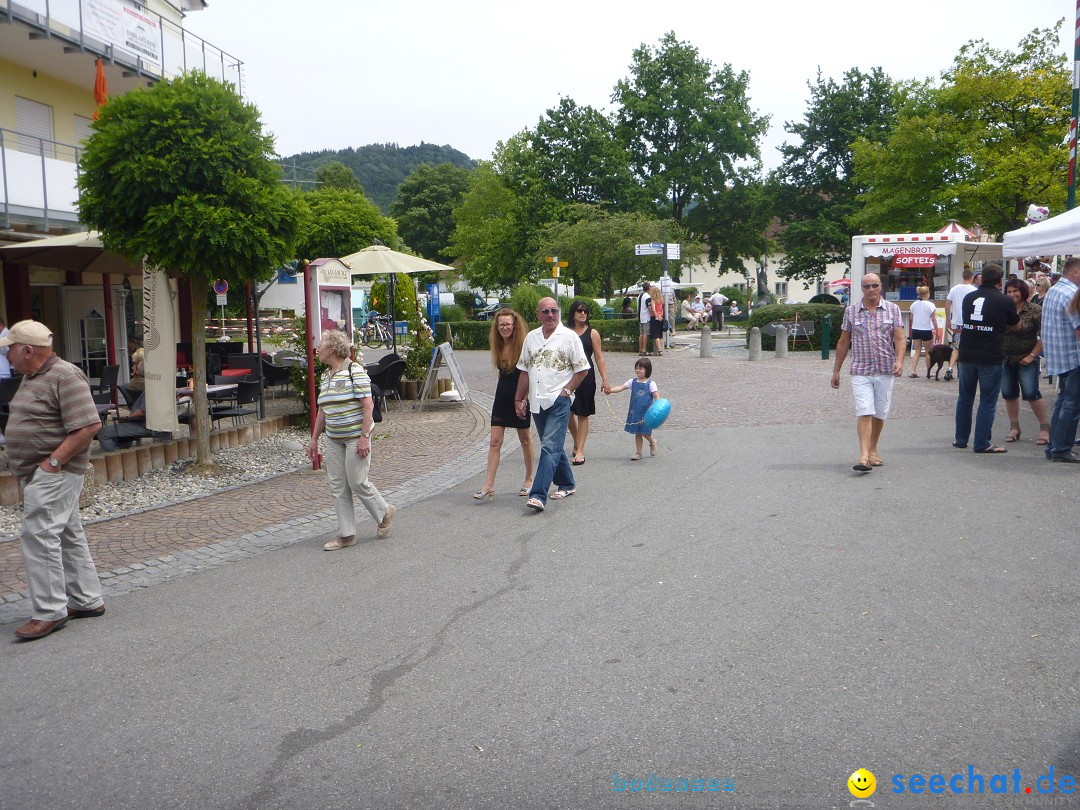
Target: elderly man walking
(53,420)
(554,363)
(873,331)
(1063,361)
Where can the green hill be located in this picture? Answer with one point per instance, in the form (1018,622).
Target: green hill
(380,167)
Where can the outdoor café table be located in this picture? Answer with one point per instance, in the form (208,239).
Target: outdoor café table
(189,391)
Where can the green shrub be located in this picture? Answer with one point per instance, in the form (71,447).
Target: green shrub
(619,334)
(404,297)
(452,313)
(525,297)
(467,334)
(417,361)
(807,312)
(466,299)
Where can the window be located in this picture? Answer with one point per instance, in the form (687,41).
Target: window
(821,287)
(92,349)
(781,288)
(741,287)
(82,130)
(34,123)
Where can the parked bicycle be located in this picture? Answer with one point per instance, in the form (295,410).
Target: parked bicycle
(377,331)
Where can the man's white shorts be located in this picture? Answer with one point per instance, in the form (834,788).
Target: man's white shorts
(873,395)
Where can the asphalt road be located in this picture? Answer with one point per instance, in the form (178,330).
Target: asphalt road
(743,610)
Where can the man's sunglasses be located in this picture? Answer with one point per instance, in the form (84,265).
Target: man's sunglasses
(550,311)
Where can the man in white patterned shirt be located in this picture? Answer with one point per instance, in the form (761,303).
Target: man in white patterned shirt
(554,363)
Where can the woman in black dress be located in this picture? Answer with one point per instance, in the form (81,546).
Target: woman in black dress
(506,338)
(584,404)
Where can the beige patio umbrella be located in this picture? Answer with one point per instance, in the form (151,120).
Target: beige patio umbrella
(377,259)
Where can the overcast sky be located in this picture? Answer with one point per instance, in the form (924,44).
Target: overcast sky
(337,73)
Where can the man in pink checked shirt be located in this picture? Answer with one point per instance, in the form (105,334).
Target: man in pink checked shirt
(873,332)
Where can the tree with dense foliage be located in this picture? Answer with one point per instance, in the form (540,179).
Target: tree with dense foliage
(424,208)
(497,224)
(181,173)
(380,167)
(343,222)
(733,219)
(578,159)
(336,174)
(813,191)
(980,146)
(686,125)
(599,247)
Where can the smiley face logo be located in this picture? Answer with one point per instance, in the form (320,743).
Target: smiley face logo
(862,783)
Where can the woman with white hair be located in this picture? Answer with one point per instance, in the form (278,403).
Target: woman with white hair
(345,415)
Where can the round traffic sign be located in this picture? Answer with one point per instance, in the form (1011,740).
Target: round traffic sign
(221,286)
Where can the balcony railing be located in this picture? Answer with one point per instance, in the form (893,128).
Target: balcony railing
(147,44)
(37,181)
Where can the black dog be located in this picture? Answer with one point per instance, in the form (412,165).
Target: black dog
(939,356)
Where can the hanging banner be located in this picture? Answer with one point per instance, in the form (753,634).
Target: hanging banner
(159,346)
(123,26)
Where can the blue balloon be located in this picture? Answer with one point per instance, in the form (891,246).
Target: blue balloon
(657,413)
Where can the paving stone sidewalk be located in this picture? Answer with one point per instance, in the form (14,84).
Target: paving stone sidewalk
(422,453)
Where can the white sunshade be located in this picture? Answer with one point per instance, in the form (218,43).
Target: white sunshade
(1052,237)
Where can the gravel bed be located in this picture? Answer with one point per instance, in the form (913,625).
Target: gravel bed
(281,453)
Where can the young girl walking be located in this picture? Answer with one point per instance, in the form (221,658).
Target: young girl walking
(643,393)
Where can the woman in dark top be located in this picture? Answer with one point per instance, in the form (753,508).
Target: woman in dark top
(584,404)
(1021,372)
(506,338)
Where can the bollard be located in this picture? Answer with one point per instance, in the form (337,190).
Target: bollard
(826,335)
(781,341)
(755,343)
(706,342)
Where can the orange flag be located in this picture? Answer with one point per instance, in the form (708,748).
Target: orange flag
(101,91)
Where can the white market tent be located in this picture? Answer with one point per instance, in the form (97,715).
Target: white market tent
(1056,236)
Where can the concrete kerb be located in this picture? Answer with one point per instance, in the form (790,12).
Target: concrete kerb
(157,570)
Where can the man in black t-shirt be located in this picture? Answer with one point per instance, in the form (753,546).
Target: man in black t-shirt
(988,314)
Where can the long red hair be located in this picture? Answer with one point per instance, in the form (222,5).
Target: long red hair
(505,353)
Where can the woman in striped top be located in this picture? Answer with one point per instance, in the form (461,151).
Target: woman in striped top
(345,415)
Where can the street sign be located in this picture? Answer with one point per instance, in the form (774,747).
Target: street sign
(674,251)
(221,286)
(555,265)
(655,249)
(548,282)
(222,300)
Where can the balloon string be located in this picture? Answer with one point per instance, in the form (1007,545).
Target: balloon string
(619,421)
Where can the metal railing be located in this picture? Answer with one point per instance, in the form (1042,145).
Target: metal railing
(151,46)
(37,179)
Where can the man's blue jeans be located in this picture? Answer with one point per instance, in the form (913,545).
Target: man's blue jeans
(1066,414)
(554,466)
(987,378)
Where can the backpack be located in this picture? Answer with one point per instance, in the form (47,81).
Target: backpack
(376,395)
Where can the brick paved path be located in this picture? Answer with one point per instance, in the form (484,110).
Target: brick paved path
(420,454)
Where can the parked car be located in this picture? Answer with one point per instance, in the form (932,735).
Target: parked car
(488,312)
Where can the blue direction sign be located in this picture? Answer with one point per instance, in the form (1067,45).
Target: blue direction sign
(653,249)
